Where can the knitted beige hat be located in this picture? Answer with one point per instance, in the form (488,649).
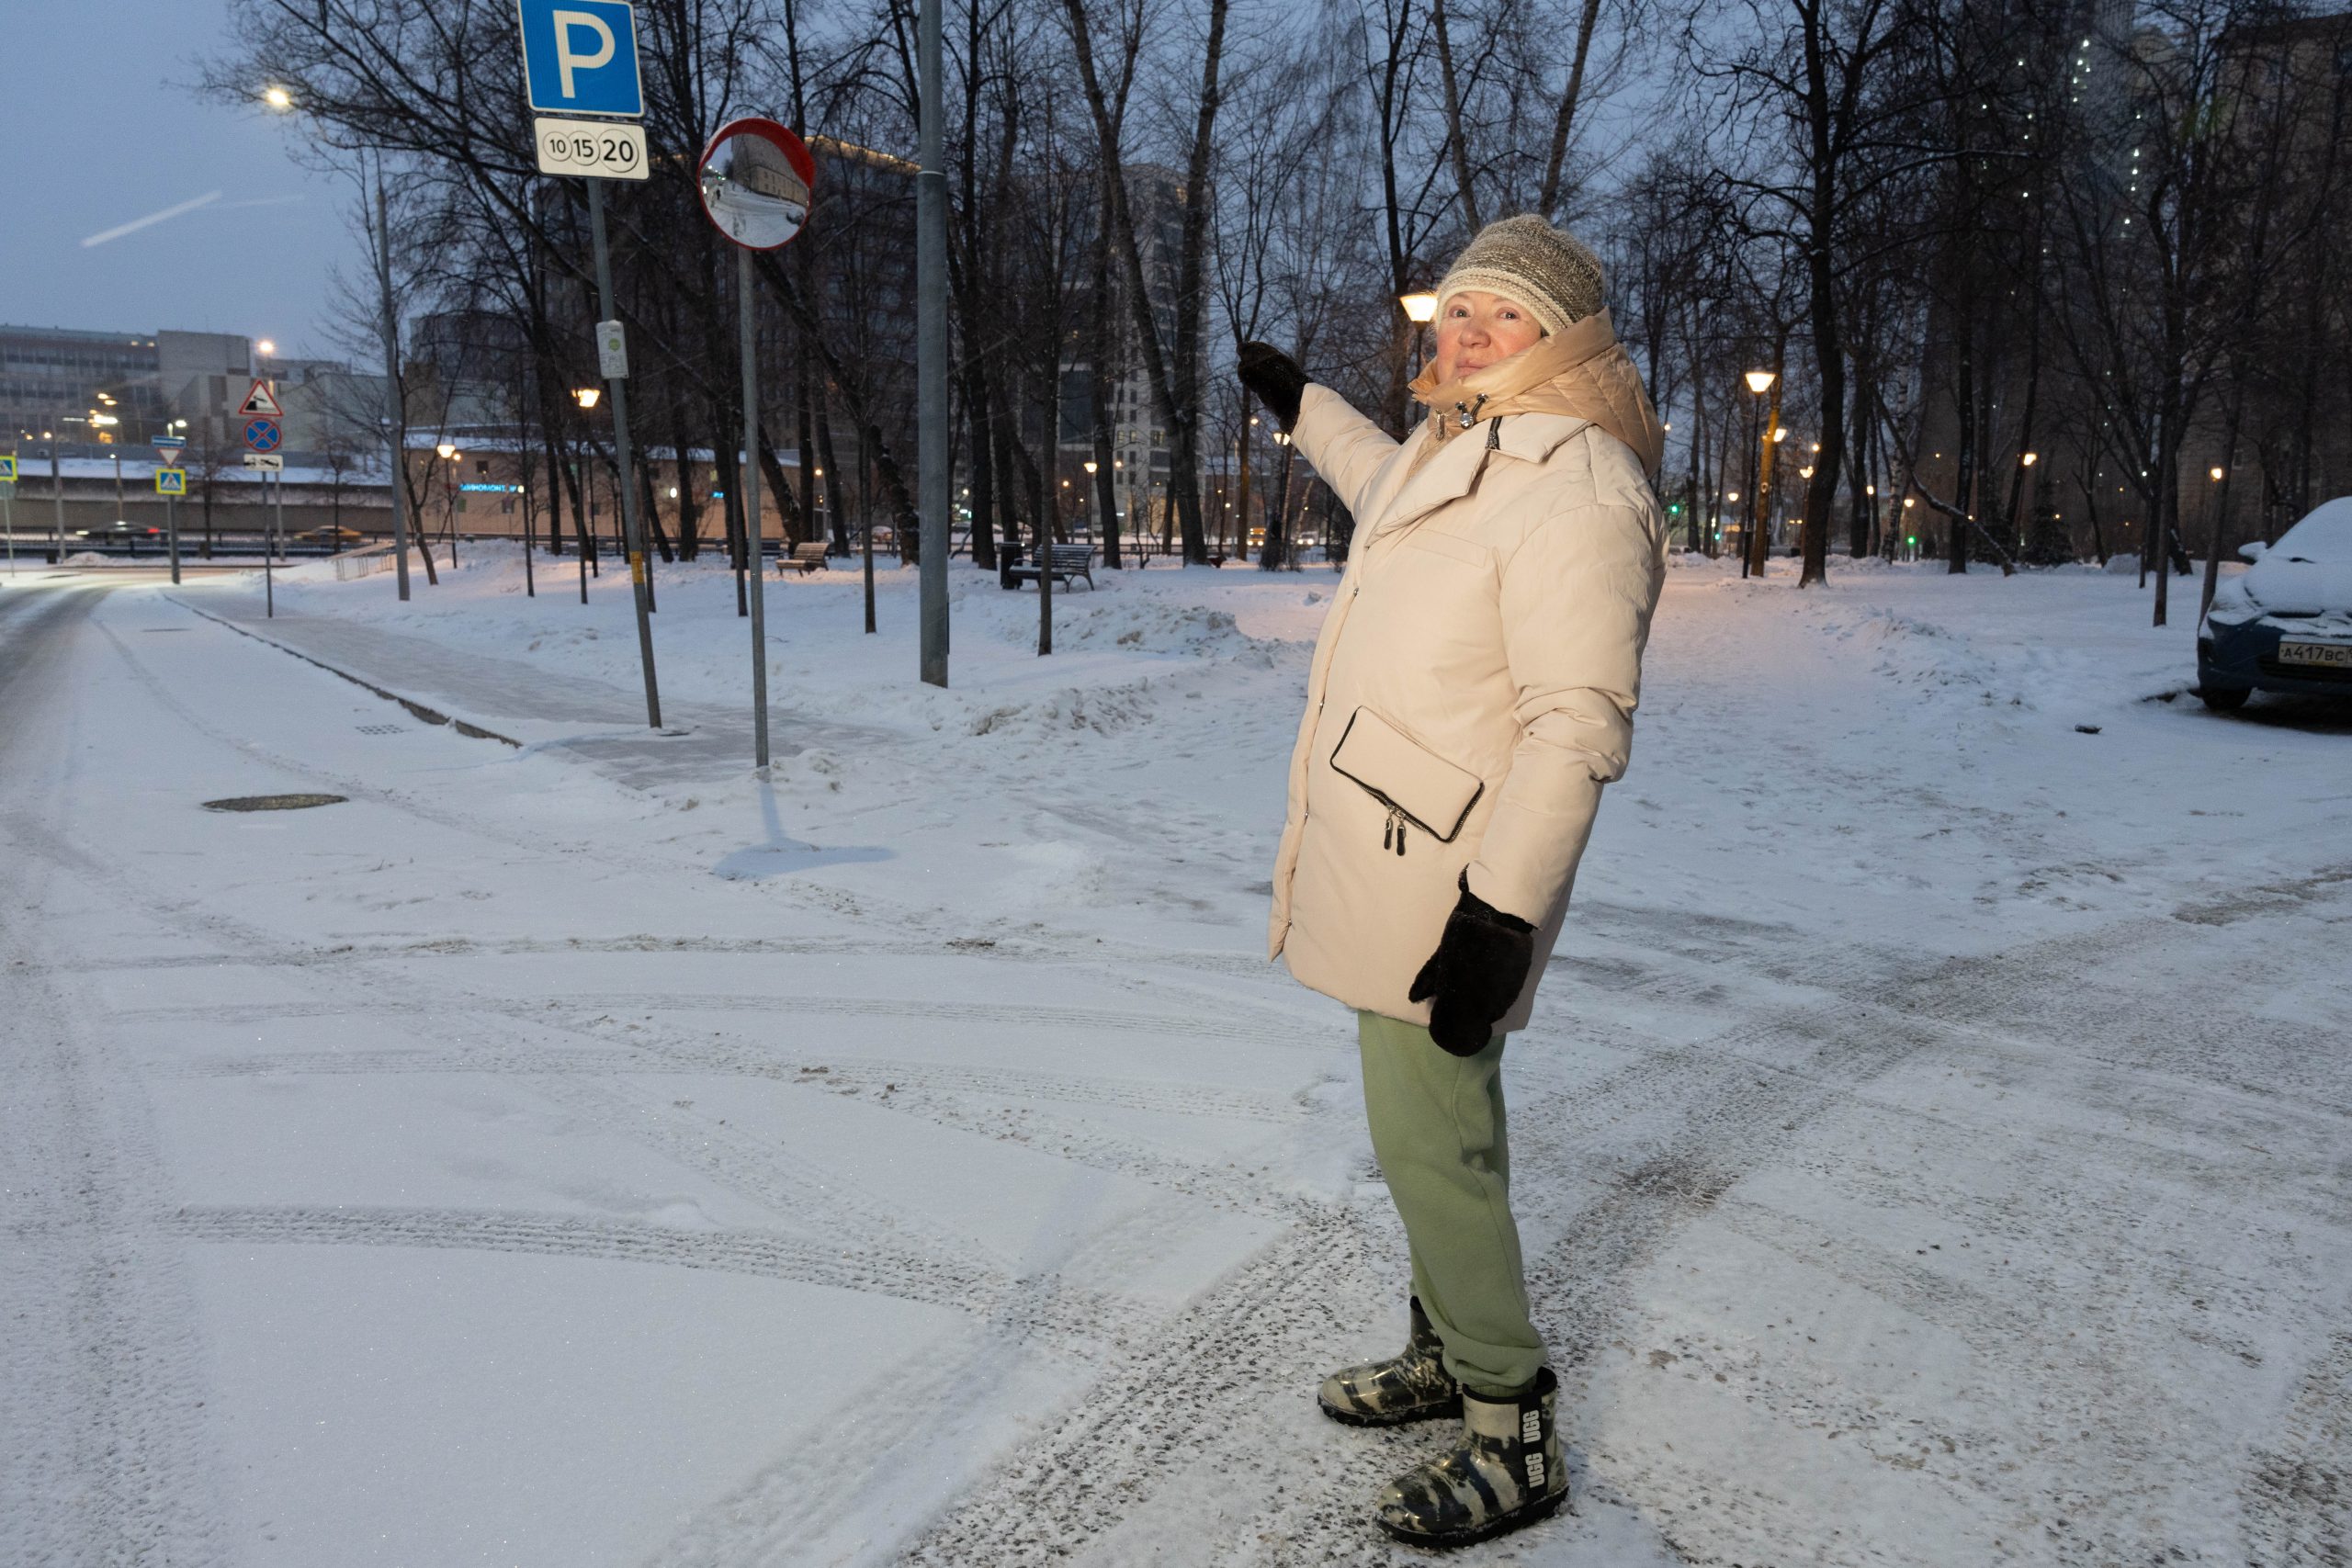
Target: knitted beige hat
(1548,270)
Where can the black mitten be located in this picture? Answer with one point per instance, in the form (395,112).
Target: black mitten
(1476,974)
(1276,378)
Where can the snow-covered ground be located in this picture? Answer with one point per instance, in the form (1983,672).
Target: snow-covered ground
(1931,1148)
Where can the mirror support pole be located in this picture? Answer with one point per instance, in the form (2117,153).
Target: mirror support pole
(618,389)
(930,351)
(754,528)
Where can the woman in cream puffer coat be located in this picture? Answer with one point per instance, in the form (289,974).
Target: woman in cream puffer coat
(1472,690)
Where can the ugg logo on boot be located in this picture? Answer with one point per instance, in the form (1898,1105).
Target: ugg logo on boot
(1535,1470)
(1531,1426)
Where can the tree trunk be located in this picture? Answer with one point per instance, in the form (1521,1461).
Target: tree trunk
(1548,201)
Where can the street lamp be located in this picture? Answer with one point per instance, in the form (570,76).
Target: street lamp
(268,349)
(586,397)
(2031,458)
(278,97)
(2216,473)
(448,452)
(1420,307)
(1759,382)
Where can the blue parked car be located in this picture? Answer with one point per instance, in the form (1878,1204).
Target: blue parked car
(2285,624)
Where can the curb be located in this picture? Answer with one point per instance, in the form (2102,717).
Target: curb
(430,715)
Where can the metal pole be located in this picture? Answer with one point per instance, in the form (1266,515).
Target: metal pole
(395,412)
(930,351)
(754,529)
(617,387)
(171,531)
(270,542)
(57,499)
(8,500)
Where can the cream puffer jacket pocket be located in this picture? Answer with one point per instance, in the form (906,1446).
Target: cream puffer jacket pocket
(1420,788)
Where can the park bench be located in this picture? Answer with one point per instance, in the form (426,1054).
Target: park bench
(808,557)
(1068,562)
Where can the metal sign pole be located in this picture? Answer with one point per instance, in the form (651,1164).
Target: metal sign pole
(171,531)
(268,549)
(930,357)
(617,389)
(8,500)
(395,421)
(57,499)
(754,529)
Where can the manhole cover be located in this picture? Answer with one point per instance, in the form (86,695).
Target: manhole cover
(274,802)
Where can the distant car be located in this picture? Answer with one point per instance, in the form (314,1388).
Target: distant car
(340,538)
(2285,624)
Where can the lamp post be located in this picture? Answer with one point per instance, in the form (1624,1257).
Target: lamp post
(1419,308)
(448,452)
(1086,501)
(280,100)
(1759,382)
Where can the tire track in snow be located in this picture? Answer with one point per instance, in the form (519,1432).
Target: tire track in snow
(104,1453)
(876,1271)
(2297,1496)
(1709,1115)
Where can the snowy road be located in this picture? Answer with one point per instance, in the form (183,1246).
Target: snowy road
(1934,1145)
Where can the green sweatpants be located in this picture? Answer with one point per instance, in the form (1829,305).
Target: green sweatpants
(1437,1127)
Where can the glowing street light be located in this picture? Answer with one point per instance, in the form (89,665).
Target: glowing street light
(1418,307)
(448,450)
(1779,435)
(1090,464)
(2031,458)
(268,349)
(2216,473)
(1761,382)
(278,97)
(587,396)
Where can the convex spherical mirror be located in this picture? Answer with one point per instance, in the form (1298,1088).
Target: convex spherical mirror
(755,182)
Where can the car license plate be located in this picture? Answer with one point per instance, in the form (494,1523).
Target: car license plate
(2335,653)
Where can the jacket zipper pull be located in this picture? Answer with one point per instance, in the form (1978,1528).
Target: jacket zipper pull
(1397,821)
(1388,828)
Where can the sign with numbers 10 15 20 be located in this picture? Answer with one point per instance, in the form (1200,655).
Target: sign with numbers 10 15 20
(593,149)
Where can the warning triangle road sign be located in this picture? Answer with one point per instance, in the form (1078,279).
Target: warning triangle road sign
(261,400)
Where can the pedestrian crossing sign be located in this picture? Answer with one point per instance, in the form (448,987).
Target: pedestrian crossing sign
(170,481)
(7,468)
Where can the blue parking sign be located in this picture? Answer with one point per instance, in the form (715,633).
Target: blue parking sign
(580,56)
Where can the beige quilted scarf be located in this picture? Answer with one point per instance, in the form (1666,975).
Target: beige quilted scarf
(1583,372)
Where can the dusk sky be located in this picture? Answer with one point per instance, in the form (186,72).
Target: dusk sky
(105,128)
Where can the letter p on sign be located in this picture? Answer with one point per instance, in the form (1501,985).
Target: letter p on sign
(566,61)
(580,56)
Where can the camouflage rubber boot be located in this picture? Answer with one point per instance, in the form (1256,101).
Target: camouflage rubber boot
(1506,1474)
(1409,1386)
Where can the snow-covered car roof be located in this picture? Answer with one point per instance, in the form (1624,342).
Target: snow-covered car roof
(2309,570)
(2324,535)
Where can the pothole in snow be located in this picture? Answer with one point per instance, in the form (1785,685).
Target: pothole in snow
(274,802)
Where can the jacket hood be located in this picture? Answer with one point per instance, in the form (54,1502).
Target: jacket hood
(1583,372)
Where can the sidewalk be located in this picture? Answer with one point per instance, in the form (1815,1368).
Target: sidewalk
(510,701)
